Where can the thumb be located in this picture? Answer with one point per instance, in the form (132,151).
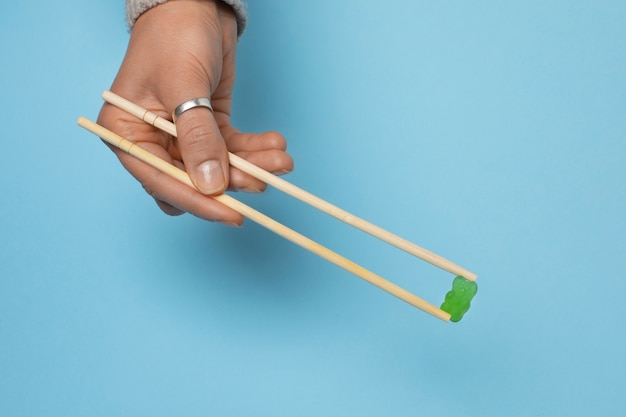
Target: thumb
(203,150)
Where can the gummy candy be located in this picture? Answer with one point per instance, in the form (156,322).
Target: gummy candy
(458,300)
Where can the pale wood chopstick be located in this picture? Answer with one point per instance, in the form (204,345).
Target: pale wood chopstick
(296,192)
(263,220)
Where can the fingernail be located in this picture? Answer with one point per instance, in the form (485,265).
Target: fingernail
(281,172)
(209,177)
(246,189)
(231,224)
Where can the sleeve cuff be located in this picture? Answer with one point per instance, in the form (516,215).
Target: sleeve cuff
(134,9)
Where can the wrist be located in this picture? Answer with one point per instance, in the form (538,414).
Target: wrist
(135,8)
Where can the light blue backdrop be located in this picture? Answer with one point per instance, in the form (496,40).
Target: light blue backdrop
(493,133)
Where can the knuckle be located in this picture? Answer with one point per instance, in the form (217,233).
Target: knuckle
(149,185)
(196,135)
(276,140)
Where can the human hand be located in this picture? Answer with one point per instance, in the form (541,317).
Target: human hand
(180,50)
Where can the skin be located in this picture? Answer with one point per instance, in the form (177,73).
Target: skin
(179,50)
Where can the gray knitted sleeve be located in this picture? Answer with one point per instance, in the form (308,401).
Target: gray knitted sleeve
(134,8)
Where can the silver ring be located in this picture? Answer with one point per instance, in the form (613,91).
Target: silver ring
(190,104)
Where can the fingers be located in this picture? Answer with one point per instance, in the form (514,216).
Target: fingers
(251,142)
(273,160)
(265,150)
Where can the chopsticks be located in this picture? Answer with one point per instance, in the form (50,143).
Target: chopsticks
(263,220)
(298,193)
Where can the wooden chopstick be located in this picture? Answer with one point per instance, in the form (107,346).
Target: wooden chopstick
(263,220)
(296,192)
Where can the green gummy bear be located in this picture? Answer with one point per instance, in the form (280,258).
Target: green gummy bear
(458,300)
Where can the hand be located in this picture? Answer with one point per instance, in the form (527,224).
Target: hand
(179,50)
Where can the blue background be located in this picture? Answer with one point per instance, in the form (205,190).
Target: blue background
(493,134)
